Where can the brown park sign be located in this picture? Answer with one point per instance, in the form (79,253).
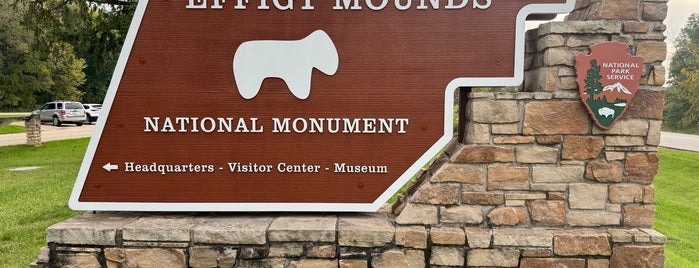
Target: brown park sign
(283,105)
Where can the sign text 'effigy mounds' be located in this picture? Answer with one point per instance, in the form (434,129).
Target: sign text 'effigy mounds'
(283,105)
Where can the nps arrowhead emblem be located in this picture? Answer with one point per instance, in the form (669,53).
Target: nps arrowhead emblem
(608,80)
(109,167)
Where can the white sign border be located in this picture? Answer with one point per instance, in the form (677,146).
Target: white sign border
(451,88)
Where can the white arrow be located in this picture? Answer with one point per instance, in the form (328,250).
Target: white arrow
(109,167)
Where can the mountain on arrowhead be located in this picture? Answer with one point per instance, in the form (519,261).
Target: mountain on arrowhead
(614,93)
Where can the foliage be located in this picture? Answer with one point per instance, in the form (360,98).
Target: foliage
(682,97)
(31,201)
(59,49)
(677,200)
(22,73)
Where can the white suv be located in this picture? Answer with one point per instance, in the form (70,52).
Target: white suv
(59,112)
(92,111)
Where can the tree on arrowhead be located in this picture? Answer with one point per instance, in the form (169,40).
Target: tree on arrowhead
(592,80)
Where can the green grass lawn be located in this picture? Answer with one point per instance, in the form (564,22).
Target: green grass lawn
(10,129)
(677,200)
(31,201)
(8,115)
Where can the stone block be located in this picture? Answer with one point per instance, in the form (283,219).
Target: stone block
(581,27)
(77,260)
(524,196)
(447,236)
(549,140)
(552,262)
(624,141)
(418,214)
(232,230)
(391,258)
(585,40)
(484,154)
(641,168)
(625,193)
(285,250)
(547,213)
(587,196)
(353,264)
(653,138)
(89,229)
(228,257)
(581,243)
(494,111)
(627,127)
(557,174)
(593,218)
(144,257)
(365,230)
(637,256)
(648,194)
(253,252)
(657,76)
(493,258)
(597,263)
(604,171)
(470,174)
(513,139)
(617,9)
(264,263)
(504,129)
(202,256)
(537,252)
(507,216)
(314,263)
(321,251)
(437,193)
(470,215)
(485,199)
(477,237)
(536,154)
(159,228)
(638,215)
(553,40)
(654,11)
(522,237)
(636,27)
(620,236)
(508,178)
(559,56)
(652,51)
(647,104)
(555,117)
(411,236)
(447,256)
(303,228)
(477,133)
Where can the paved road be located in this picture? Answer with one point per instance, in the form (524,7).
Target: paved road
(679,141)
(49,133)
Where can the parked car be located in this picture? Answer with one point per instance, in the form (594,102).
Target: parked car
(92,111)
(60,112)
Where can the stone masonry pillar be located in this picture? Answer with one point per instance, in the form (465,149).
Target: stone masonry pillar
(33,130)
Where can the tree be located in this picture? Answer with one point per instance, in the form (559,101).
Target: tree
(80,41)
(682,96)
(23,74)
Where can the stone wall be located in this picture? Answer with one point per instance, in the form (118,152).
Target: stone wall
(535,184)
